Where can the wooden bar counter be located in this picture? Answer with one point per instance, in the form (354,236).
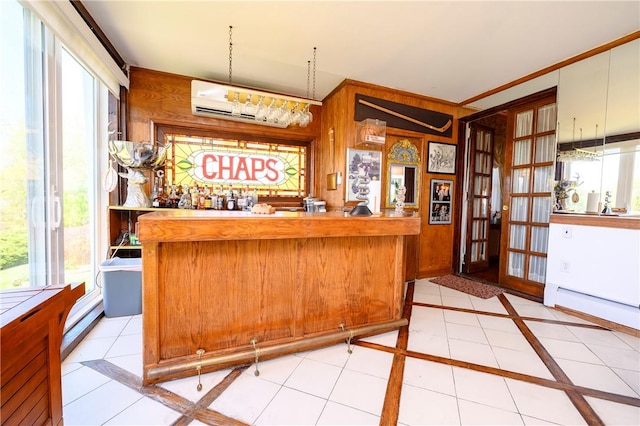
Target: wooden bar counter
(222,288)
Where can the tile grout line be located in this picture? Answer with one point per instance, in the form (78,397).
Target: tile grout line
(608,396)
(508,316)
(391,406)
(576,397)
(390,410)
(188,409)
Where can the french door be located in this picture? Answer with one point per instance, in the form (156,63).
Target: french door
(529,173)
(479,206)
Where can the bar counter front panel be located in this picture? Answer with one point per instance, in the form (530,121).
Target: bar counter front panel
(220,288)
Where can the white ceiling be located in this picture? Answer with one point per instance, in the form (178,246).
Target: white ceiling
(451,50)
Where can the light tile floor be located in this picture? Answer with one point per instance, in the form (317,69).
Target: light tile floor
(332,387)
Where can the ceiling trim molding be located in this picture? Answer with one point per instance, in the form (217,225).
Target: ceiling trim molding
(597,50)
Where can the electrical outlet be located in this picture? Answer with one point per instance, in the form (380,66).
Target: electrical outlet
(564,266)
(566,232)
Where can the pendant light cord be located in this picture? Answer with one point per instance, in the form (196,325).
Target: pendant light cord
(230,52)
(314,73)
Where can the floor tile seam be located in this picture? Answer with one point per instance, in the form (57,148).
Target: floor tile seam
(275,395)
(601,364)
(90,391)
(140,397)
(154,392)
(467,341)
(306,392)
(508,374)
(108,349)
(463,310)
(350,407)
(508,316)
(124,409)
(455,395)
(390,410)
(383,377)
(219,388)
(627,348)
(548,383)
(577,399)
(517,409)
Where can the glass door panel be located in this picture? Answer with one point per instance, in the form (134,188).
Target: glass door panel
(530,154)
(520,181)
(537,268)
(24,237)
(524,123)
(517,237)
(519,209)
(539,238)
(547,119)
(477,239)
(516,264)
(522,152)
(541,209)
(78,159)
(545,148)
(542,178)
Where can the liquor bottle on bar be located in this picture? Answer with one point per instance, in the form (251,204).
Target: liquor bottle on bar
(220,202)
(173,198)
(185,199)
(248,203)
(241,201)
(213,201)
(231,200)
(201,198)
(194,196)
(207,198)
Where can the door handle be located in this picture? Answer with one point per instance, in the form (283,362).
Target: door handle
(505,207)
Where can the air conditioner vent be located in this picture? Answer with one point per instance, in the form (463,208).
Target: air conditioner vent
(211,100)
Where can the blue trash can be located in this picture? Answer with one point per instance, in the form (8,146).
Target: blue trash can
(122,286)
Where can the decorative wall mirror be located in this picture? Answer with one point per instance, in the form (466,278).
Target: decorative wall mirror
(403,169)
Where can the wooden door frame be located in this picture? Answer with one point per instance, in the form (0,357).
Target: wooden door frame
(461,154)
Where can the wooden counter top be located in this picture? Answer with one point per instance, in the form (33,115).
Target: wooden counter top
(604,221)
(199,225)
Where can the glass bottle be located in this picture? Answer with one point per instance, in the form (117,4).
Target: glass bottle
(194,196)
(221,205)
(173,198)
(207,198)
(185,199)
(231,200)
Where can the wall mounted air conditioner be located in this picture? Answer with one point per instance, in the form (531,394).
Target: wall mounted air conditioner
(247,105)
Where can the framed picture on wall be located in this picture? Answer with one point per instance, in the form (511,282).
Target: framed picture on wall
(363,177)
(442,158)
(440,198)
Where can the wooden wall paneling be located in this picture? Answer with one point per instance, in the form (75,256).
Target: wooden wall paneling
(435,245)
(333,117)
(162,98)
(159,98)
(166,98)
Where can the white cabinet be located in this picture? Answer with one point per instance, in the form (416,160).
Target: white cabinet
(595,269)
